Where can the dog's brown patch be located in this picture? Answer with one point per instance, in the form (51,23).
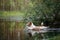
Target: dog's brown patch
(29,23)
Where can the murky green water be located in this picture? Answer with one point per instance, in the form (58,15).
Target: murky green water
(46,36)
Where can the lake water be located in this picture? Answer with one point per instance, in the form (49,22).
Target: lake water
(54,35)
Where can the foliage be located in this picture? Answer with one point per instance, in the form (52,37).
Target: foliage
(11,13)
(46,11)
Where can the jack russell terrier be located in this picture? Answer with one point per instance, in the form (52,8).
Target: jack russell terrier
(31,29)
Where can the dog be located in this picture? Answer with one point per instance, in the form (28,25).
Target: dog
(31,29)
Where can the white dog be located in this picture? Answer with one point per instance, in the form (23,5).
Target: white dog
(31,29)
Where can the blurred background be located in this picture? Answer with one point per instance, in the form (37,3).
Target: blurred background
(14,14)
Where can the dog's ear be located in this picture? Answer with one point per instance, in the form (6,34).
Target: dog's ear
(29,23)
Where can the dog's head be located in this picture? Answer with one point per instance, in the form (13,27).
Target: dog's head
(29,24)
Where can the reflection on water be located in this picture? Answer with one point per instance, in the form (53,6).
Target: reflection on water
(18,35)
(46,36)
